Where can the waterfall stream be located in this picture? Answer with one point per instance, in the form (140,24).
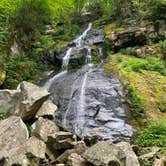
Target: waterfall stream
(89,103)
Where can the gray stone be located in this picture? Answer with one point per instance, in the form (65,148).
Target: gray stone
(13,134)
(79,149)
(131,158)
(61,140)
(76,160)
(105,154)
(47,110)
(10,101)
(32,99)
(43,128)
(35,148)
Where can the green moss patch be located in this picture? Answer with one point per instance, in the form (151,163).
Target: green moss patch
(146,77)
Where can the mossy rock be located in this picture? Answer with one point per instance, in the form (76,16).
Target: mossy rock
(149,86)
(2,76)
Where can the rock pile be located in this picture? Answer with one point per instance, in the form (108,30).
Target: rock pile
(29,136)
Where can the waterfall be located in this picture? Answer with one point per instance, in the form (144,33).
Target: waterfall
(80,40)
(66,59)
(80,116)
(51,81)
(88,56)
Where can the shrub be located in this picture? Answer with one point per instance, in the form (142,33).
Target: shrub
(18,69)
(27,20)
(153,135)
(162,45)
(135,65)
(136,103)
(156,64)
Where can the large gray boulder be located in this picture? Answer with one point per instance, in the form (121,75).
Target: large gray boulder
(13,134)
(33,148)
(105,154)
(47,110)
(131,158)
(10,101)
(43,128)
(109,154)
(61,141)
(32,99)
(23,102)
(76,160)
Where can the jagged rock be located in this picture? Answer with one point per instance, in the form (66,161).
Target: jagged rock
(47,110)
(23,102)
(131,158)
(104,154)
(10,101)
(160,162)
(61,140)
(79,149)
(2,76)
(76,160)
(143,51)
(60,165)
(129,37)
(18,159)
(36,148)
(43,128)
(32,99)
(33,148)
(13,134)
(151,154)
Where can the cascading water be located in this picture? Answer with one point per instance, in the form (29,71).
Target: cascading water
(80,40)
(66,58)
(89,102)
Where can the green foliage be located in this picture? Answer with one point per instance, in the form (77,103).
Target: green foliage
(119,58)
(2,116)
(135,102)
(162,45)
(18,69)
(135,65)
(27,19)
(153,135)
(120,29)
(151,63)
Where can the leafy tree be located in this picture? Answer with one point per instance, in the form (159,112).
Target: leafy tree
(28,18)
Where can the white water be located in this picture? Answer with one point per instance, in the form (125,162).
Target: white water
(50,81)
(80,39)
(88,56)
(66,59)
(80,118)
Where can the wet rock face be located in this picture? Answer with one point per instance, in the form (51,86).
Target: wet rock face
(94,37)
(100,113)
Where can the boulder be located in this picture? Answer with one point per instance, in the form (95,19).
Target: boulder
(47,110)
(61,140)
(10,101)
(33,148)
(76,160)
(2,76)
(131,158)
(160,162)
(13,134)
(79,149)
(43,128)
(104,154)
(129,37)
(32,99)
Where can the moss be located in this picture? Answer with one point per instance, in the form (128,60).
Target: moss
(149,85)
(109,28)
